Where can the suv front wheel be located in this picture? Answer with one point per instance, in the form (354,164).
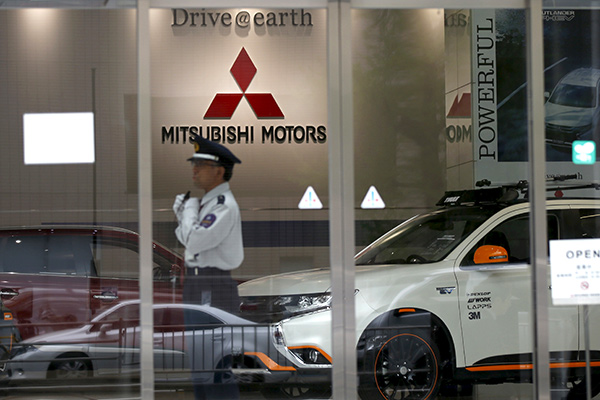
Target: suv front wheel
(400,364)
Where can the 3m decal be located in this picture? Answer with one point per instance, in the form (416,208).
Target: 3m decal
(474,315)
(224,104)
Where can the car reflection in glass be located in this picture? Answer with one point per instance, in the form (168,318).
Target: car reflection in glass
(209,342)
(573,108)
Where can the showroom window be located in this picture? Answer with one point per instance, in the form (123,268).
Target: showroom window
(325,199)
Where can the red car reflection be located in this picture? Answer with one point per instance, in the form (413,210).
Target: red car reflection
(58,277)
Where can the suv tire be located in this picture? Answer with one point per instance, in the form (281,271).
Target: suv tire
(406,364)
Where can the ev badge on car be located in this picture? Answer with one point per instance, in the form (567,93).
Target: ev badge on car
(445,289)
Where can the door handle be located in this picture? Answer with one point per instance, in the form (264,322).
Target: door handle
(106,296)
(8,292)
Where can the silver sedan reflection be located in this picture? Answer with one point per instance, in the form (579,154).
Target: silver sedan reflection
(190,341)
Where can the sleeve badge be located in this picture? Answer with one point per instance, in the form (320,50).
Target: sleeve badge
(208,220)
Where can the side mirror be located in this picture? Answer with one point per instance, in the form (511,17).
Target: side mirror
(102,328)
(490,254)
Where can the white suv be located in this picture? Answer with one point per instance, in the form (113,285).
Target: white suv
(445,297)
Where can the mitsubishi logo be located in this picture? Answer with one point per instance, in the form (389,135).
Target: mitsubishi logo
(461,108)
(224,104)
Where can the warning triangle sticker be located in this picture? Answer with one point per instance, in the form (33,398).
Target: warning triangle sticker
(310,200)
(372,199)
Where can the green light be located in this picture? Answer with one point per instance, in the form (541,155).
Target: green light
(584,152)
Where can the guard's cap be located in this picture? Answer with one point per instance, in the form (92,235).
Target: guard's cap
(209,150)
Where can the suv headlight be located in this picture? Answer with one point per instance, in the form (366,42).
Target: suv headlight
(270,309)
(304,303)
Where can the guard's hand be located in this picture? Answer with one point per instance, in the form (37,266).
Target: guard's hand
(192,204)
(177,205)
(191,208)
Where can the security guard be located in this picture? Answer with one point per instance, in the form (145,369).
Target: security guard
(210,229)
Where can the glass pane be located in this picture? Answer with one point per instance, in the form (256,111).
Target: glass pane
(444,300)
(443,279)
(69,250)
(245,85)
(571,120)
(406,301)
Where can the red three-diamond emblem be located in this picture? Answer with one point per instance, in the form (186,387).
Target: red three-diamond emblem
(224,104)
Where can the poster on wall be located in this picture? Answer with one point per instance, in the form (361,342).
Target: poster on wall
(572,83)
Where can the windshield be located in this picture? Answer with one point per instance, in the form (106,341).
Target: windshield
(574,96)
(426,238)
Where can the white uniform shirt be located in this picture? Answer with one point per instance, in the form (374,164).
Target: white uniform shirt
(212,236)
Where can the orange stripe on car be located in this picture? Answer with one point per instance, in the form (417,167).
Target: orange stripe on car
(272,365)
(514,367)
